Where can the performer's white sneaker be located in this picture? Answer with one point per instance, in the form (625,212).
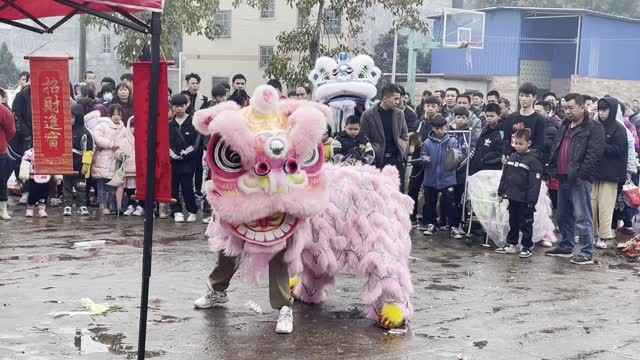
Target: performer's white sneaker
(210,298)
(285,321)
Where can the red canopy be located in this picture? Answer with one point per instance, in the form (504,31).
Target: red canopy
(11,11)
(18,9)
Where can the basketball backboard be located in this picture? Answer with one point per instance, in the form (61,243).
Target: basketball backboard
(463,28)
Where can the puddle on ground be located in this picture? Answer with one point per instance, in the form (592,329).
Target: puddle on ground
(353,313)
(441,287)
(625,266)
(99,340)
(480,344)
(169,319)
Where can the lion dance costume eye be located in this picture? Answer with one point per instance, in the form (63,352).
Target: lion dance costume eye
(273,197)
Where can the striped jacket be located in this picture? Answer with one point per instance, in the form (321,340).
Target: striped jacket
(521,177)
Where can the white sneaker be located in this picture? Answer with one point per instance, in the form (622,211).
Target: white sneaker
(601,244)
(106,211)
(210,298)
(139,211)
(178,217)
(42,213)
(431,229)
(24,198)
(191,218)
(457,233)
(83,211)
(547,243)
(285,321)
(66,211)
(129,211)
(55,202)
(206,220)
(29,213)
(509,249)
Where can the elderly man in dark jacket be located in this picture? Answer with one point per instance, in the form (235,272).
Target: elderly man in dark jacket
(611,172)
(574,161)
(386,129)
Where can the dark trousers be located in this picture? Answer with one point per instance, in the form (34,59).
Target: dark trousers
(183,183)
(199,169)
(395,160)
(459,194)
(520,220)
(5,173)
(38,193)
(553,194)
(69,182)
(415,184)
(429,212)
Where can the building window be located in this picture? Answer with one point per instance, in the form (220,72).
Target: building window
(268,9)
(223,17)
(106,44)
(265,53)
(302,20)
(332,22)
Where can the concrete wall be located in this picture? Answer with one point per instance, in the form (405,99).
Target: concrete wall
(507,86)
(561,87)
(621,89)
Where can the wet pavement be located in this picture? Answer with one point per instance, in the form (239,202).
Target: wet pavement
(469,303)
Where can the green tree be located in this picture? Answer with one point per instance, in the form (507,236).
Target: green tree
(298,49)
(178,17)
(8,69)
(629,8)
(383,55)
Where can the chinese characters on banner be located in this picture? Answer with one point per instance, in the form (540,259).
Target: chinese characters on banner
(51,109)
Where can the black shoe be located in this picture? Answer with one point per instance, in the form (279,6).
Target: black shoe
(559,253)
(525,253)
(581,260)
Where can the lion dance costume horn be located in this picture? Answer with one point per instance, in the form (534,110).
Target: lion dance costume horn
(270,192)
(346,86)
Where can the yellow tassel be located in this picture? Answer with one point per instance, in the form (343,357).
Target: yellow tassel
(293,282)
(391,316)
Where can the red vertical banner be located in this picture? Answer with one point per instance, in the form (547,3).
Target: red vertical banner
(51,110)
(141,86)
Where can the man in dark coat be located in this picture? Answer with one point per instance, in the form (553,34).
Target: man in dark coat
(575,160)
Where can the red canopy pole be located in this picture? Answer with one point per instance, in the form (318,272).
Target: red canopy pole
(156,29)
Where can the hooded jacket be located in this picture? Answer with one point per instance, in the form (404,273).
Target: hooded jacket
(487,154)
(473,122)
(521,177)
(466,144)
(613,164)
(21,107)
(435,174)
(631,152)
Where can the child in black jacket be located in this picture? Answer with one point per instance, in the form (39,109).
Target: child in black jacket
(350,146)
(184,141)
(487,154)
(520,184)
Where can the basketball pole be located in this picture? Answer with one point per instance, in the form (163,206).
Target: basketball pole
(395,53)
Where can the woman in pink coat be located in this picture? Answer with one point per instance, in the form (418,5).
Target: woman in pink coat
(106,136)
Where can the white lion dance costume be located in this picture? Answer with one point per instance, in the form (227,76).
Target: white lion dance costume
(346,86)
(276,203)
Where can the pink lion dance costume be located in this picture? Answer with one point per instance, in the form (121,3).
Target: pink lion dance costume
(273,197)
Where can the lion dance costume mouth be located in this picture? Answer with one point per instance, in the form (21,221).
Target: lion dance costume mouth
(271,193)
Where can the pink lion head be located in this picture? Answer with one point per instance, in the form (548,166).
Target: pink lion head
(266,165)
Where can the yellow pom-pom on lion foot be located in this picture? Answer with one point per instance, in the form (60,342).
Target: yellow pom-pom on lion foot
(391,316)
